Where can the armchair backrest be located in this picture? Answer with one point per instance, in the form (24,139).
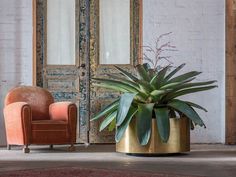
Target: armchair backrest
(38,98)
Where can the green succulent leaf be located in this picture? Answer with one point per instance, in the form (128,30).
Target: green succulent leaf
(124,80)
(197,84)
(177,89)
(121,129)
(108,109)
(144,119)
(174,71)
(124,106)
(163,123)
(185,85)
(182,85)
(146,66)
(153,81)
(196,106)
(118,84)
(188,91)
(161,77)
(142,73)
(170,85)
(108,120)
(156,94)
(112,125)
(184,77)
(126,74)
(158,79)
(145,86)
(142,86)
(187,110)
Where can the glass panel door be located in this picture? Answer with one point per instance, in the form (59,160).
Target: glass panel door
(114,32)
(57,50)
(114,39)
(61,32)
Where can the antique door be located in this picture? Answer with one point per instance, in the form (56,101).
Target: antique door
(69,52)
(57,55)
(114,40)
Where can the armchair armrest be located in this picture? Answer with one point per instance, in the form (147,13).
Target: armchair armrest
(66,111)
(18,122)
(62,111)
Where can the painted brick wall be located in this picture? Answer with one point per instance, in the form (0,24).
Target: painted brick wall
(15,49)
(198,33)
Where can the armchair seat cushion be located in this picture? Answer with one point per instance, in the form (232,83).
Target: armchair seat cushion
(49,125)
(50,131)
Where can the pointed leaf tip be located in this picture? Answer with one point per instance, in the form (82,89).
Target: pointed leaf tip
(124,106)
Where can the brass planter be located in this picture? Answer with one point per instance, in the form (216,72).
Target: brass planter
(179,140)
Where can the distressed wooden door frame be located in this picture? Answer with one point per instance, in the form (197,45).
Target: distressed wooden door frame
(61,80)
(101,97)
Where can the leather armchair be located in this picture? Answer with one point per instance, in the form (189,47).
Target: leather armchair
(32,117)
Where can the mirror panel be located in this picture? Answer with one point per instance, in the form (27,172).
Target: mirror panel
(60,32)
(114,32)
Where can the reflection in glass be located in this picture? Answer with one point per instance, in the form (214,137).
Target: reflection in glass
(61,32)
(114,31)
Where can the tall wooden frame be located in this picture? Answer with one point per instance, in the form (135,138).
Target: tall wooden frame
(101,70)
(230,72)
(34,41)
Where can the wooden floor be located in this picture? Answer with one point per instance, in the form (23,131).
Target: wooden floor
(203,160)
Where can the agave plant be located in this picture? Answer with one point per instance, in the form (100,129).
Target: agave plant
(150,94)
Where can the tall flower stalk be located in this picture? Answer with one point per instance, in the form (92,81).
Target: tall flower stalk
(153,55)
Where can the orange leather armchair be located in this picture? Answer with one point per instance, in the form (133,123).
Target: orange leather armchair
(32,117)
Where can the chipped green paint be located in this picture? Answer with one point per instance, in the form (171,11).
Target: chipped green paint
(40,40)
(84,86)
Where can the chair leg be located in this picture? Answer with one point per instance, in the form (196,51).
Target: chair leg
(26,149)
(8,147)
(71,148)
(51,146)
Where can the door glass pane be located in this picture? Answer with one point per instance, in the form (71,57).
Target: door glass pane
(61,32)
(114,31)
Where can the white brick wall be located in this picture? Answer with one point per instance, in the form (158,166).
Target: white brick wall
(198,32)
(15,49)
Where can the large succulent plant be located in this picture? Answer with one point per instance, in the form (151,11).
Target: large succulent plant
(150,94)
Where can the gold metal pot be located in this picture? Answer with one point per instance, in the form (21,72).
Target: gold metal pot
(179,140)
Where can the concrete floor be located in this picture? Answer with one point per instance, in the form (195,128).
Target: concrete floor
(203,160)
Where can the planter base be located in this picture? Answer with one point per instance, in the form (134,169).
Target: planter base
(179,140)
